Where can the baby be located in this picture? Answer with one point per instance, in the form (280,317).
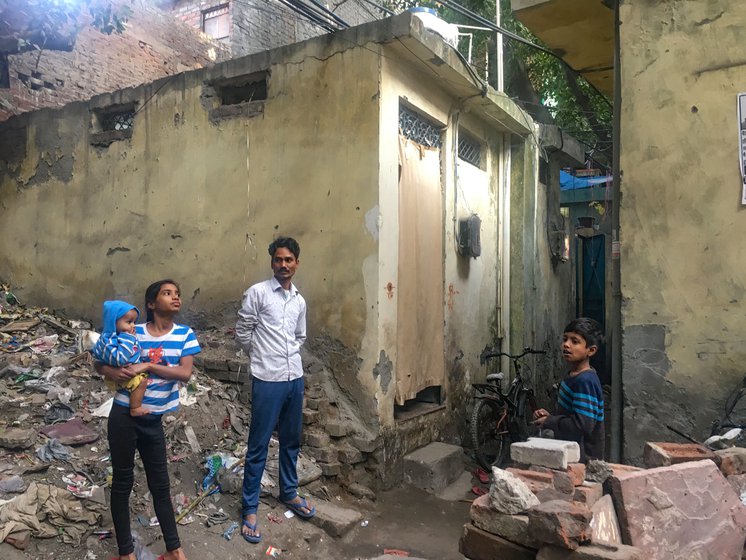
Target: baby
(118,347)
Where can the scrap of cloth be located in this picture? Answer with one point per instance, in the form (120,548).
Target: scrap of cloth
(47,511)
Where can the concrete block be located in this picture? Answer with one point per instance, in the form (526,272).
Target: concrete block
(560,523)
(333,519)
(732,460)
(511,527)
(604,523)
(509,494)
(688,510)
(589,493)
(434,466)
(476,544)
(663,454)
(591,552)
(552,453)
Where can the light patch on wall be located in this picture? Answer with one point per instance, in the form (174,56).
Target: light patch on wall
(373,222)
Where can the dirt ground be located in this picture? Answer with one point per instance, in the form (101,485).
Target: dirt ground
(42,368)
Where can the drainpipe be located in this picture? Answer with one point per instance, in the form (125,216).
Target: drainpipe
(503,251)
(617,393)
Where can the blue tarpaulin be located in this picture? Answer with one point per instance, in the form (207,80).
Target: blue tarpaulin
(570,182)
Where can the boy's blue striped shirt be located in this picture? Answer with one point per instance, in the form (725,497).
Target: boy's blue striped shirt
(162,395)
(582,394)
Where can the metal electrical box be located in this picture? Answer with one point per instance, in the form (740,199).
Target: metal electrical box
(469,243)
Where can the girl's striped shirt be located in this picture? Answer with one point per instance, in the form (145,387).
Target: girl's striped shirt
(162,395)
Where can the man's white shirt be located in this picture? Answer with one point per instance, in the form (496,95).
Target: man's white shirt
(271,328)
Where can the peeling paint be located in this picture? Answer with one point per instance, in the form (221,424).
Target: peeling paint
(383,370)
(372,219)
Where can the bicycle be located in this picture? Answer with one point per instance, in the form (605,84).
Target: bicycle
(501,418)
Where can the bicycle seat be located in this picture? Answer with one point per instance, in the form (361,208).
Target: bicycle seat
(499,376)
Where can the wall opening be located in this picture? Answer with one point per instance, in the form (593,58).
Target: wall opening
(249,89)
(242,96)
(216,22)
(469,149)
(427,400)
(112,123)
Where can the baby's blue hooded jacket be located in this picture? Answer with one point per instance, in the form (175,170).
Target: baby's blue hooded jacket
(112,348)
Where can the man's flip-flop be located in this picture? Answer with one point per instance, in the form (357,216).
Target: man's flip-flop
(298,508)
(253,539)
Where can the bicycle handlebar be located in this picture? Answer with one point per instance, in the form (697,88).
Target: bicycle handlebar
(487,354)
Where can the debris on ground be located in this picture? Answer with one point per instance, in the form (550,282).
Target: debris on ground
(682,507)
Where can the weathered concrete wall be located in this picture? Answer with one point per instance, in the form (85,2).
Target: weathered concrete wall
(683,259)
(542,287)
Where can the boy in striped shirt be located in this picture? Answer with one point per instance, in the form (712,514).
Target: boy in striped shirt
(580,402)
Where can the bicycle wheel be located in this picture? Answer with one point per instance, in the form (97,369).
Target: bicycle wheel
(522,423)
(489,432)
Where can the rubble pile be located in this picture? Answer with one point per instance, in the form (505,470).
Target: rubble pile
(346,453)
(688,503)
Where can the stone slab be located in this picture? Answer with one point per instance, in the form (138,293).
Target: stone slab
(433,467)
(552,453)
(510,527)
(604,523)
(591,552)
(17,438)
(458,490)
(589,493)
(663,453)
(476,544)
(732,460)
(334,519)
(688,510)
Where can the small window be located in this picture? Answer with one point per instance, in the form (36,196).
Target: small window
(252,90)
(242,96)
(111,124)
(420,129)
(469,149)
(216,22)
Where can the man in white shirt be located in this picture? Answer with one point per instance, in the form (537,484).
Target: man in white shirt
(271,328)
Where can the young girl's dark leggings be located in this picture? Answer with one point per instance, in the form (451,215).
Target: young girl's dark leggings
(144,433)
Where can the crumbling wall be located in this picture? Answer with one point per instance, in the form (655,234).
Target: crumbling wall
(681,218)
(153,45)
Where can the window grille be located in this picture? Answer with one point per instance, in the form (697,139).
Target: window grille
(120,120)
(418,128)
(469,150)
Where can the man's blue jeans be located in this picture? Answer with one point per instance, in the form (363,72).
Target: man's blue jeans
(273,403)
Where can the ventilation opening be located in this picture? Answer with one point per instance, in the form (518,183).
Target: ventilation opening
(112,123)
(250,89)
(469,149)
(419,128)
(427,400)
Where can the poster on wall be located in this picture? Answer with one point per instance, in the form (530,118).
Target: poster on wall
(742,142)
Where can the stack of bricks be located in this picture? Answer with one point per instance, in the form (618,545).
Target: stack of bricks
(341,452)
(687,504)
(571,521)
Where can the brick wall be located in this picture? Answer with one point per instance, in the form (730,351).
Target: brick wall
(154,45)
(258,25)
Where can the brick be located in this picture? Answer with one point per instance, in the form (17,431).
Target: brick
(330,469)
(434,466)
(591,552)
(552,453)
(511,527)
(316,438)
(663,454)
(365,443)
(310,416)
(687,510)
(476,544)
(599,471)
(535,481)
(324,454)
(589,493)
(350,455)
(604,523)
(576,472)
(337,428)
(732,460)
(560,523)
